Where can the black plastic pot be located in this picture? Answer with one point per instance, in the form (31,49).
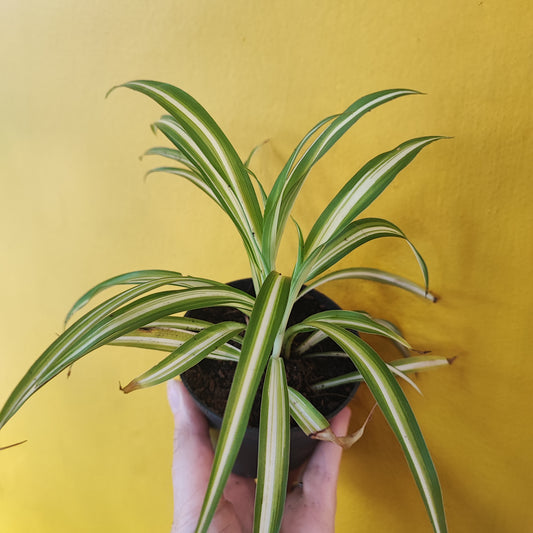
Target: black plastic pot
(301,446)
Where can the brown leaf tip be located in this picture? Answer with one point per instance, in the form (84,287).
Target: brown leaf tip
(327,435)
(130,387)
(13,445)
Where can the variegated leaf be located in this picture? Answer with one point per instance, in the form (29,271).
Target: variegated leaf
(265,322)
(168,340)
(273,453)
(293,175)
(191,352)
(275,208)
(172,153)
(361,190)
(201,127)
(305,414)
(220,188)
(138,277)
(253,152)
(399,415)
(313,423)
(351,237)
(353,320)
(189,175)
(109,321)
(371,274)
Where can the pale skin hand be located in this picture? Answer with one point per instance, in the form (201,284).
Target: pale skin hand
(310,507)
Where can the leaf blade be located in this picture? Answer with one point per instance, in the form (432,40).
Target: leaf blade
(99,327)
(273,453)
(168,340)
(366,185)
(353,320)
(191,352)
(135,278)
(350,238)
(371,274)
(220,188)
(293,175)
(190,176)
(399,415)
(205,131)
(262,330)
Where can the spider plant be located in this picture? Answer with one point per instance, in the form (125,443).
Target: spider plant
(205,157)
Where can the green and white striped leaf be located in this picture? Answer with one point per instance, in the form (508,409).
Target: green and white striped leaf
(325,354)
(402,349)
(273,453)
(300,255)
(353,320)
(206,133)
(313,423)
(138,277)
(351,237)
(152,307)
(275,207)
(310,420)
(191,352)
(303,347)
(107,322)
(164,339)
(172,153)
(362,190)
(200,164)
(265,323)
(168,340)
(144,311)
(359,321)
(406,365)
(185,323)
(220,188)
(371,274)
(32,380)
(189,175)
(258,184)
(420,363)
(293,175)
(398,414)
(188,324)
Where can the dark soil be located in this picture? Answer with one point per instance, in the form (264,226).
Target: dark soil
(210,380)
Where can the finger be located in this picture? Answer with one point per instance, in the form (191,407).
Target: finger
(191,469)
(193,455)
(240,492)
(312,503)
(321,473)
(187,417)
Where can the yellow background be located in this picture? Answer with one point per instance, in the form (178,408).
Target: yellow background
(75,210)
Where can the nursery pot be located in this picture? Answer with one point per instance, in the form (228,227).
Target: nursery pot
(210,380)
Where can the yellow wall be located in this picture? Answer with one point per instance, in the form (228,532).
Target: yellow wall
(74,210)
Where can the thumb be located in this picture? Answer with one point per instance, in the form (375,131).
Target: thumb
(323,468)
(192,445)
(192,457)
(188,419)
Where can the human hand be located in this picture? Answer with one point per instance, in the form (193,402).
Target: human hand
(310,505)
